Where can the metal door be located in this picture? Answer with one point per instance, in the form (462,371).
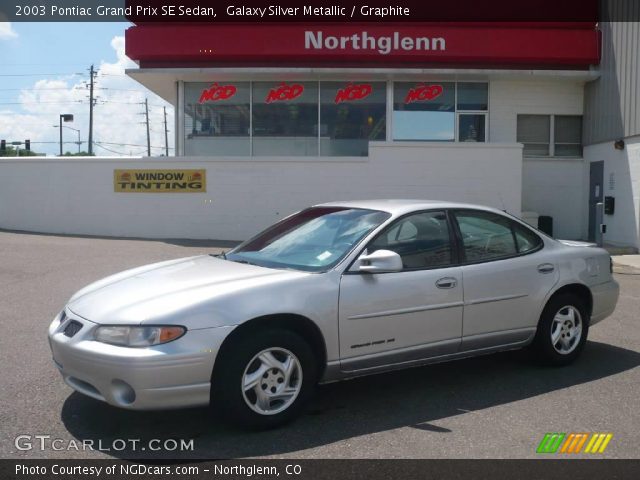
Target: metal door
(596,180)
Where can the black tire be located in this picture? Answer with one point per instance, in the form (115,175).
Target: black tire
(227,398)
(543,347)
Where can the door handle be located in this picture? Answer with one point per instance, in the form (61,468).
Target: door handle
(546,268)
(447,282)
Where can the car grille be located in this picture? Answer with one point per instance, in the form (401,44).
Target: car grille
(72,328)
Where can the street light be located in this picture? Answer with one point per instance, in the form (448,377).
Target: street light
(74,129)
(66,117)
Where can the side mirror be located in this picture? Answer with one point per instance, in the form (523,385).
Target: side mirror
(380,261)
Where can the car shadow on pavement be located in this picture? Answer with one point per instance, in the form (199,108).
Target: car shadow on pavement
(413,397)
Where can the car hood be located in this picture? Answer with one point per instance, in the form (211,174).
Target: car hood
(164,290)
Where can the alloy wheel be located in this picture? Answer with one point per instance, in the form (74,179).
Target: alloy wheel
(272,381)
(566,330)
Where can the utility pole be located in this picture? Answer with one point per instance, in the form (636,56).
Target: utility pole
(146,115)
(92,74)
(166,133)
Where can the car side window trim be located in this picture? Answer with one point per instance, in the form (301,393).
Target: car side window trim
(453,244)
(511,223)
(539,241)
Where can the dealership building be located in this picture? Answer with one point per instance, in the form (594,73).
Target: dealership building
(539,119)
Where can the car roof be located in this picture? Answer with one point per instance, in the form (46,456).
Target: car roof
(402,206)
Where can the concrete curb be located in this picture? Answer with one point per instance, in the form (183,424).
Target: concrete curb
(625,269)
(626,264)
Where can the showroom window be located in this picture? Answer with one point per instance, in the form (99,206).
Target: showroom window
(550,135)
(472,103)
(440,111)
(285,118)
(311,118)
(424,111)
(217,118)
(351,115)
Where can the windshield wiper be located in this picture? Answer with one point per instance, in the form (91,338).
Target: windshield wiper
(246,262)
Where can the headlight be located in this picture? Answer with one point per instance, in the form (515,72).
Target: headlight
(138,336)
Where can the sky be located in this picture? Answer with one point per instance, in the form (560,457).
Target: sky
(44,72)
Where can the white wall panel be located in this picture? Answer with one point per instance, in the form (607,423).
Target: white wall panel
(244,195)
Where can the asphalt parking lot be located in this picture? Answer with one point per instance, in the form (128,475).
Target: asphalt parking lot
(498,406)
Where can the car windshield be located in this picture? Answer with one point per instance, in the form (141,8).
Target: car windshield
(313,240)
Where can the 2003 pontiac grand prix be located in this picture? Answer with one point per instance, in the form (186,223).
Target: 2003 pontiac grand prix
(334,291)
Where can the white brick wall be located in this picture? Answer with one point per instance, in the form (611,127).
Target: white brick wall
(245,195)
(623,227)
(558,188)
(508,98)
(555,187)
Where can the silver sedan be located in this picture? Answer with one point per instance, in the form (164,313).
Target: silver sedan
(334,291)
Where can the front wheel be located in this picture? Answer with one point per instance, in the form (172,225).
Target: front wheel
(562,330)
(264,378)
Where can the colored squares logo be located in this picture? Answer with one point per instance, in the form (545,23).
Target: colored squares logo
(574,443)
(550,443)
(598,443)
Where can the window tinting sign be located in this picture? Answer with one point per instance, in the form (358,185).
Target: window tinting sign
(353,92)
(284,92)
(160,181)
(217,92)
(423,93)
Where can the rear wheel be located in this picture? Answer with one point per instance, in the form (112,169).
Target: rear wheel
(562,330)
(264,378)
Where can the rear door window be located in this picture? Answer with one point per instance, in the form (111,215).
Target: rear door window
(485,235)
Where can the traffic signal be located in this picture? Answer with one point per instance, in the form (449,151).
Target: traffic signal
(27,145)
(3,146)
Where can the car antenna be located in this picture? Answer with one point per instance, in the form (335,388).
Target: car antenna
(504,209)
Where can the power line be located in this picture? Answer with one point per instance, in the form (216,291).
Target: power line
(42,64)
(36,89)
(104,102)
(41,103)
(108,149)
(39,74)
(120,153)
(13,114)
(130,145)
(121,89)
(56,142)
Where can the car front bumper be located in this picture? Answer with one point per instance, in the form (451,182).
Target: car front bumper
(173,375)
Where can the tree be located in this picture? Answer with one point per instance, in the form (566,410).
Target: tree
(79,154)
(12,152)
